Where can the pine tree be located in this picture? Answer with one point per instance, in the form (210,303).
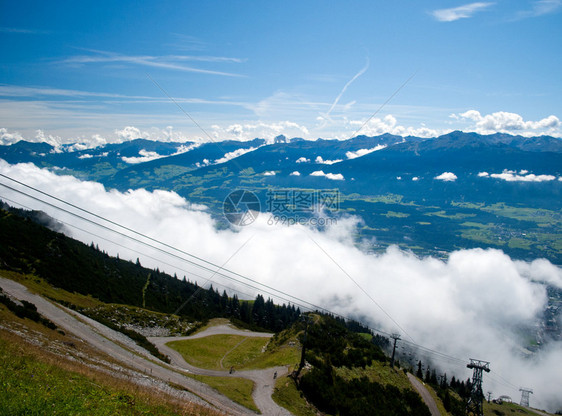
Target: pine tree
(419,373)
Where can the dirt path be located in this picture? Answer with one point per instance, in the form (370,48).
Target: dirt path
(229,351)
(425,395)
(104,339)
(263,379)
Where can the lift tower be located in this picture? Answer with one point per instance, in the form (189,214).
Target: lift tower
(474,404)
(525,396)
(395,337)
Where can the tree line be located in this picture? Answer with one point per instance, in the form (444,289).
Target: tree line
(27,246)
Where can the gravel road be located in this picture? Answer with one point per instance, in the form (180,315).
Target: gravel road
(103,339)
(424,393)
(263,379)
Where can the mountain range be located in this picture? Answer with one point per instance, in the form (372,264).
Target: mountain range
(432,195)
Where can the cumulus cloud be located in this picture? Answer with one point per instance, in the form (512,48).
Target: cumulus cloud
(512,123)
(363,152)
(513,176)
(389,124)
(80,143)
(145,156)
(415,178)
(251,130)
(447,177)
(7,138)
(320,160)
(234,154)
(295,173)
(461,12)
(472,304)
(269,173)
(129,133)
(332,176)
(303,159)
(54,141)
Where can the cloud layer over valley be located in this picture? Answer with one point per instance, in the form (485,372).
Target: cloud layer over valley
(475,304)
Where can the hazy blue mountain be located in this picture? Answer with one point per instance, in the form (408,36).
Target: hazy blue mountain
(394,184)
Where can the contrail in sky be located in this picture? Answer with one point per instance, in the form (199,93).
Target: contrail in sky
(357,75)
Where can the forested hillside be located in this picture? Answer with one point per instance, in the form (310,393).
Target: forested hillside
(28,247)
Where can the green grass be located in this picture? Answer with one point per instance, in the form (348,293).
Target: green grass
(31,384)
(539,216)
(456,216)
(494,409)
(366,335)
(237,389)
(235,351)
(379,372)
(207,352)
(519,243)
(40,286)
(394,214)
(286,395)
(283,355)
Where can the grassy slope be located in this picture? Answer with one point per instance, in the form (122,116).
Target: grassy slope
(242,353)
(237,389)
(34,381)
(288,396)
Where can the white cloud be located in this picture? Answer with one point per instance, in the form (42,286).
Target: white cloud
(234,154)
(129,133)
(205,162)
(9,138)
(332,176)
(506,122)
(389,124)
(363,152)
(186,148)
(303,159)
(173,62)
(85,156)
(295,173)
(326,162)
(267,131)
(145,156)
(269,173)
(540,8)
(513,176)
(415,178)
(461,12)
(447,177)
(479,299)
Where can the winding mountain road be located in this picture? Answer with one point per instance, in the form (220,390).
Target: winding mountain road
(263,379)
(108,341)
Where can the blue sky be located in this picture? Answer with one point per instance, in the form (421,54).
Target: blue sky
(100,71)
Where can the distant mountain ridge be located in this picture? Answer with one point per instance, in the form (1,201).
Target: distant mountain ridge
(431,195)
